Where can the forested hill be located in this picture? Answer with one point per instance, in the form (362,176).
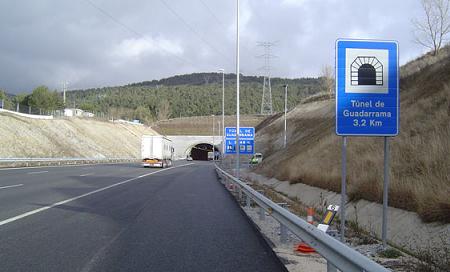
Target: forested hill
(197,94)
(211,78)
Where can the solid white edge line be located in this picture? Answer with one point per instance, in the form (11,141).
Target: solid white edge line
(11,186)
(88,174)
(20,216)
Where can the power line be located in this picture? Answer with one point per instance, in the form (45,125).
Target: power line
(131,30)
(219,22)
(213,14)
(192,29)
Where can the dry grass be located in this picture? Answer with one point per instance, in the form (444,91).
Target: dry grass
(420,155)
(436,258)
(202,125)
(74,137)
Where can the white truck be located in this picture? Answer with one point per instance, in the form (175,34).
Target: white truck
(156,151)
(210,156)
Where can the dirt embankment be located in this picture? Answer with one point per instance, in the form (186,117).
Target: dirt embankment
(74,137)
(203,125)
(420,155)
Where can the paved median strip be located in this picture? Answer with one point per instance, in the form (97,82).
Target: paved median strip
(11,186)
(20,216)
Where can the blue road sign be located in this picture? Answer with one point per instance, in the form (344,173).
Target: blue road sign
(246,140)
(245,133)
(367,92)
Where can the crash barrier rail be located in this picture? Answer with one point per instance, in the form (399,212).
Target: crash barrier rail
(338,255)
(60,161)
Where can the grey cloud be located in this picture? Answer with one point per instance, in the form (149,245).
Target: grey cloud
(47,42)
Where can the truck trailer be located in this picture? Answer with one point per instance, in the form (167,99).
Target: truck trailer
(156,151)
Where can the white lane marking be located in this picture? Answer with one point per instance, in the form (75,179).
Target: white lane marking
(11,186)
(38,172)
(88,174)
(23,215)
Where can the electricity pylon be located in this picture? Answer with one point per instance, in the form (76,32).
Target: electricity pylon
(266,103)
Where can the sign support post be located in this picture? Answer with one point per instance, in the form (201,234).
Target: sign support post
(238,159)
(343,187)
(385,192)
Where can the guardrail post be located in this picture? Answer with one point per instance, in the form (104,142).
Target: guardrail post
(283,228)
(248,201)
(283,234)
(262,214)
(331,267)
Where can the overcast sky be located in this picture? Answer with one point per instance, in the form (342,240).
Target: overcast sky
(95,43)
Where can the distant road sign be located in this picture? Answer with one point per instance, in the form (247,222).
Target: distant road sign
(246,140)
(367,99)
(245,133)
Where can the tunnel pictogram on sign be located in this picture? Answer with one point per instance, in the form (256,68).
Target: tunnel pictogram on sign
(366,70)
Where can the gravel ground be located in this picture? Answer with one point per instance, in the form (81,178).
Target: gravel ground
(294,261)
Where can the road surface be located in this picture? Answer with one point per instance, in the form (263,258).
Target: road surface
(125,218)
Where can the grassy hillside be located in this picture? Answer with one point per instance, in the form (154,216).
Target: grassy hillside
(79,138)
(189,95)
(420,155)
(202,125)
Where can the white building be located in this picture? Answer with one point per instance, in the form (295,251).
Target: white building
(77,113)
(88,114)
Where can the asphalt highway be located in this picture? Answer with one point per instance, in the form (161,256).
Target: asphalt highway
(125,218)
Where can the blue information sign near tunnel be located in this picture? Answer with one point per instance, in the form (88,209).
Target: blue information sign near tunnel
(367,99)
(246,140)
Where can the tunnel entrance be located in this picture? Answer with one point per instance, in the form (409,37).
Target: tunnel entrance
(200,152)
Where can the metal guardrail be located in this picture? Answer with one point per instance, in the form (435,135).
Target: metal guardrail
(338,255)
(21,162)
